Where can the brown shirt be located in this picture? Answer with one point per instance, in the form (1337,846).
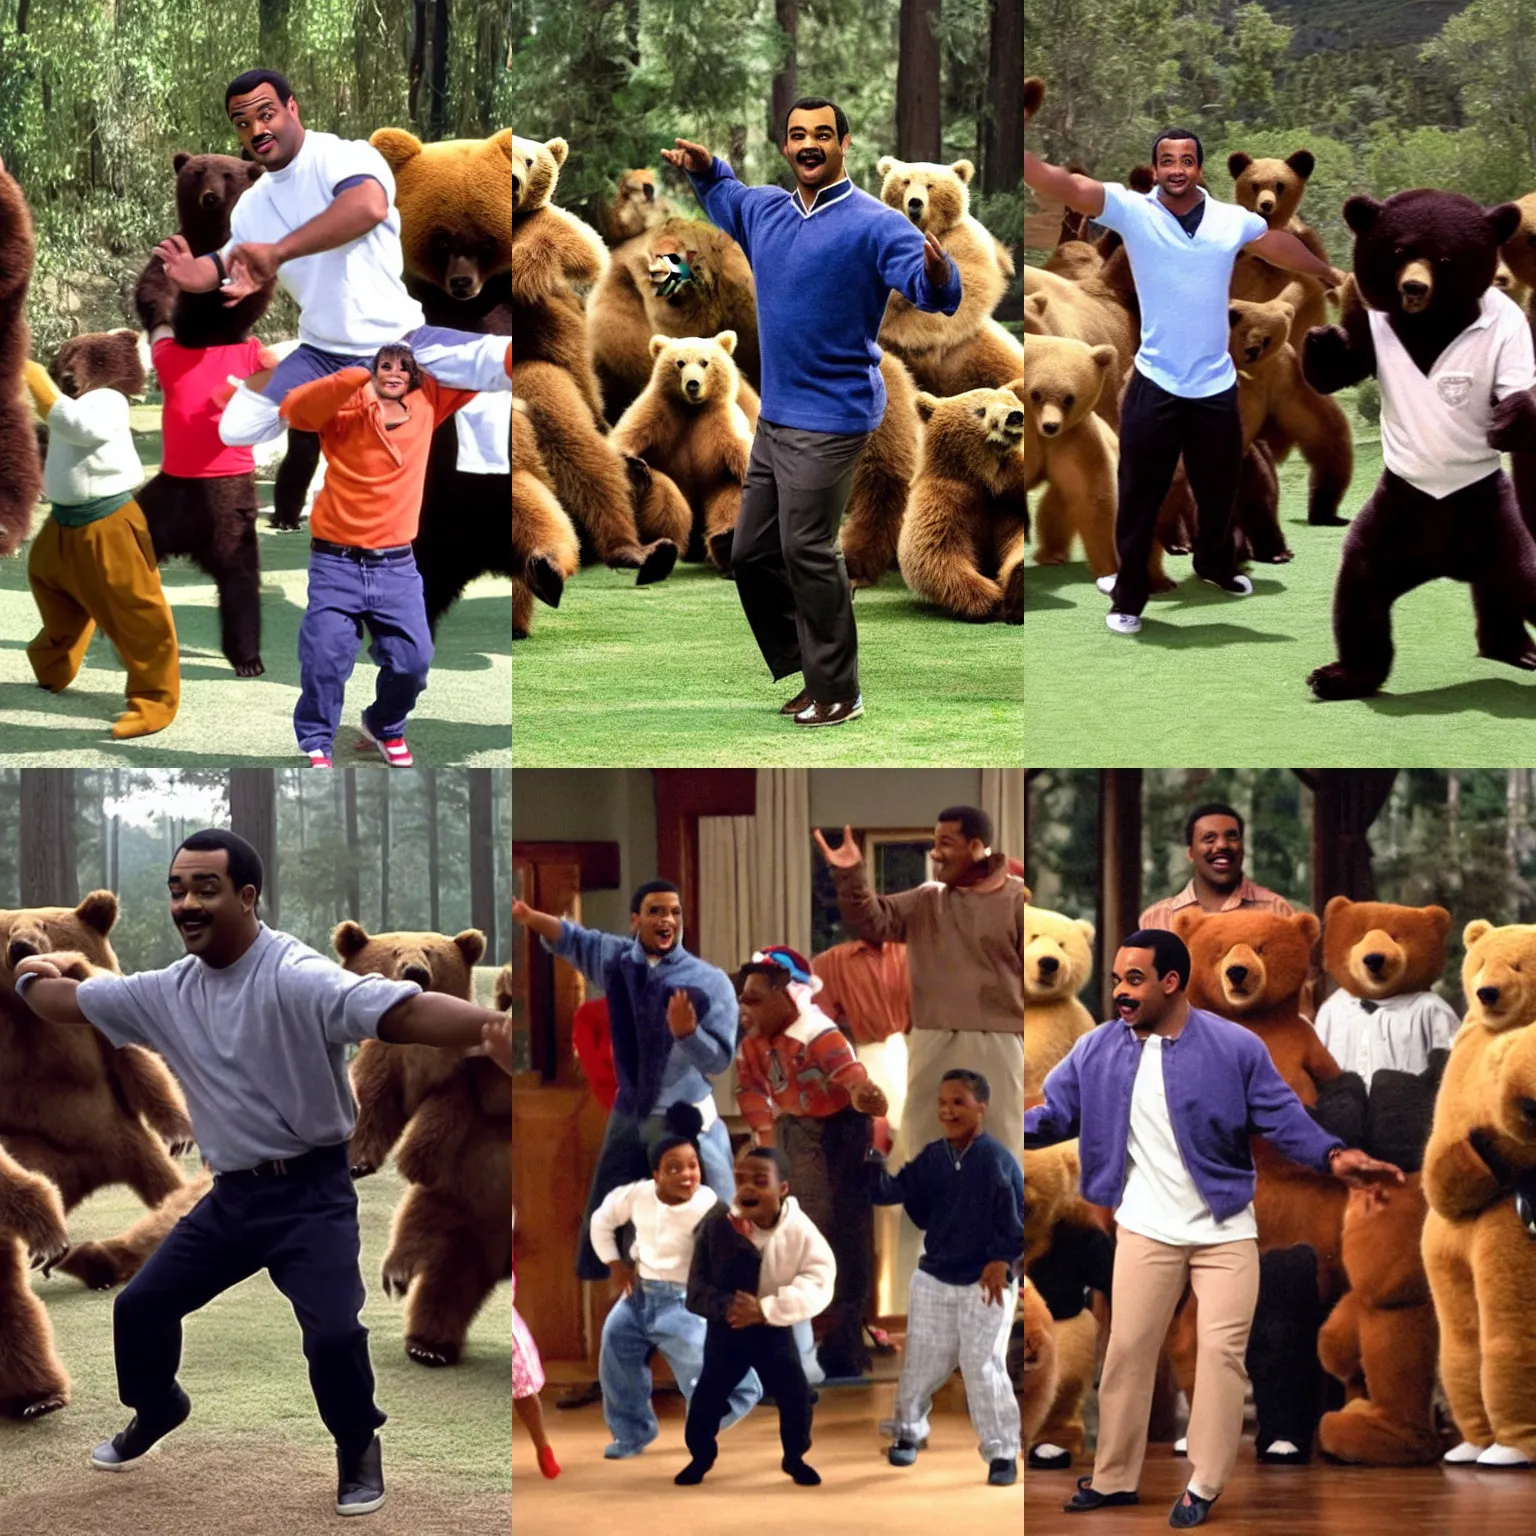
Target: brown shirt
(1160,913)
(965,945)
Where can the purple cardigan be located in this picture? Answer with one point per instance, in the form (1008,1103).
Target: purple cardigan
(1222,1088)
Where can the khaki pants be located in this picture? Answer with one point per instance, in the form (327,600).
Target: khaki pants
(1149,1280)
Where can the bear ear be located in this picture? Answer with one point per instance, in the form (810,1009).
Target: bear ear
(1237,163)
(558,149)
(98,911)
(657,344)
(501,143)
(1017,386)
(1103,356)
(1307,925)
(1233,316)
(252,170)
(964,170)
(178,160)
(1504,221)
(1478,928)
(1360,212)
(926,406)
(884,166)
(1303,162)
(1186,920)
(1439,920)
(471,944)
(1085,928)
(1039,300)
(1288,310)
(726,341)
(1336,908)
(349,938)
(397,146)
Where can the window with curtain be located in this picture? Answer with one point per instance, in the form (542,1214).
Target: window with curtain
(897,860)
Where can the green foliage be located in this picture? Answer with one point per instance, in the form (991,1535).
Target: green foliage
(1368,402)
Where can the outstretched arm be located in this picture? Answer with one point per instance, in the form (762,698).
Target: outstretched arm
(311,406)
(52,996)
(435,1018)
(1280,248)
(1077,191)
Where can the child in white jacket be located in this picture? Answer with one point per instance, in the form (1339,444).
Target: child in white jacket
(652,1312)
(758,1268)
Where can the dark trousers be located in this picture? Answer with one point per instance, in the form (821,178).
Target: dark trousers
(302,1229)
(826,1172)
(788,567)
(729,1353)
(1155,428)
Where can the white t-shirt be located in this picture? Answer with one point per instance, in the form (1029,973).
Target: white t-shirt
(663,1247)
(90,449)
(1434,427)
(1160,1200)
(1400,1032)
(352,299)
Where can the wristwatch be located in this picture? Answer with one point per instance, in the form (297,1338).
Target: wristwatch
(24,981)
(1333,1152)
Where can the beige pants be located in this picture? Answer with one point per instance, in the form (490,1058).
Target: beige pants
(1149,1280)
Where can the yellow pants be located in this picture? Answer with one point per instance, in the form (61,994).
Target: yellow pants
(105,573)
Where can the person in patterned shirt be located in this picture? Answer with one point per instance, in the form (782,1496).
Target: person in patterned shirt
(799,1084)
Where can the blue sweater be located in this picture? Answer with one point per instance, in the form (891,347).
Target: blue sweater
(971,1208)
(655,1069)
(1222,1088)
(822,280)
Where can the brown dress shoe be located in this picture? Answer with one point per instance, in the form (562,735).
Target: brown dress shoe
(831,714)
(797,703)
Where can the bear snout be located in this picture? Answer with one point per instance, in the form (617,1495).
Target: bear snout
(19,950)
(1374,963)
(1237,974)
(915,209)
(650,192)
(691,389)
(1487,996)
(1048,965)
(1049,428)
(1527,1108)
(417,973)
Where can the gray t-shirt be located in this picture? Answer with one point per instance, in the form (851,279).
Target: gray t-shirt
(256,1046)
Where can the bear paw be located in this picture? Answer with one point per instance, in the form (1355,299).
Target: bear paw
(656,562)
(544,580)
(89,1264)
(283,524)
(1524,658)
(1336,681)
(720,546)
(424,1352)
(1013,597)
(37,1408)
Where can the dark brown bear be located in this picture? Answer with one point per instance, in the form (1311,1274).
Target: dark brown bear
(21,470)
(1425,259)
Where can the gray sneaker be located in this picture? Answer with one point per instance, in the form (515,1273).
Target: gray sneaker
(1106,584)
(360,1480)
(1123,623)
(126,1449)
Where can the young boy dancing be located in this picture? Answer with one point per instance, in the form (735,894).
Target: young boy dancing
(758,1267)
(653,1312)
(967,1193)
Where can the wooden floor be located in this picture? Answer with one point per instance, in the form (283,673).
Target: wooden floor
(946,1492)
(1320,1500)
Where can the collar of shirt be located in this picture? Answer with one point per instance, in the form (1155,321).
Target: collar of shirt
(642,956)
(822,197)
(1399,1002)
(1247,891)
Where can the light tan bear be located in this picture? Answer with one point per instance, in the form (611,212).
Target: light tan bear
(452,1118)
(950,354)
(962,539)
(636,207)
(1040,1370)
(1273,189)
(32,1377)
(694,439)
(545,547)
(1058,962)
(1083,311)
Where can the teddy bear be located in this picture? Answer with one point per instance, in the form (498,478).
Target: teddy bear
(21,469)
(1058,963)
(452,1120)
(962,538)
(1478,1244)
(694,440)
(32,1377)
(545,548)
(1423,264)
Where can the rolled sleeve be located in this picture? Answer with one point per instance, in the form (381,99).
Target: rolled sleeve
(116,1006)
(1276,1113)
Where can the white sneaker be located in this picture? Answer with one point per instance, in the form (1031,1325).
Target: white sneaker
(1239,586)
(1106,584)
(1503,1456)
(1123,623)
(1464,1452)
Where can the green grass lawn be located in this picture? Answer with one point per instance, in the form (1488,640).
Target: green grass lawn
(463,717)
(1212,676)
(254,1457)
(669,675)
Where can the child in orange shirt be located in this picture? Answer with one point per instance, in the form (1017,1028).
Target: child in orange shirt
(376,432)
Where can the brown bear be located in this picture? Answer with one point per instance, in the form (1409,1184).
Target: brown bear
(694,439)
(21,469)
(110,1261)
(32,1377)
(452,1118)
(545,547)
(962,538)
(1058,961)
(1088,312)
(1040,1372)
(635,207)
(1273,189)
(1516,277)
(882,477)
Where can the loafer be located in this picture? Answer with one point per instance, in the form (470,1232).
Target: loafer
(1003,1472)
(796,704)
(360,1480)
(902,1454)
(1086,1498)
(130,1446)
(839,713)
(1189,1509)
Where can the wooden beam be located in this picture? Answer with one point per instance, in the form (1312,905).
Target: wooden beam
(682,796)
(598,862)
(1120,868)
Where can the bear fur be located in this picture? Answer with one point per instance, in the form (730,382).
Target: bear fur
(1425,259)
(1273,189)
(695,440)
(32,1377)
(962,538)
(1058,962)
(545,547)
(1086,311)
(21,467)
(212,520)
(882,480)
(1516,277)
(1040,1370)
(950,354)
(636,206)
(1376,949)
(451,1117)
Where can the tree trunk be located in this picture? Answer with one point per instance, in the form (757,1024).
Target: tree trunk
(300,787)
(385,835)
(1001,133)
(253,814)
(918,130)
(272,35)
(434,873)
(483,843)
(113,864)
(48,874)
(354,886)
(786,83)
(105,864)
(418,60)
(439,96)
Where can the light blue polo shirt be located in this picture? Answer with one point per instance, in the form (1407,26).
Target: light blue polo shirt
(1182,282)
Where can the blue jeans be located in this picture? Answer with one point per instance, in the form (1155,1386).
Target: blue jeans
(379,590)
(654,1314)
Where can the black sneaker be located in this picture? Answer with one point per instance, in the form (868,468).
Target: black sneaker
(806,1477)
(692,1474)
(1087,1498)
(130,1446)
(1003,1472)
(360,1480)
(901,1454)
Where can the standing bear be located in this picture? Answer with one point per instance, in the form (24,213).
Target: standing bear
(452,1119)
(32,1378)
(21,470)
(545,547)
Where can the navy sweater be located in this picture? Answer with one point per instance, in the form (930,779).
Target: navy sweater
(822,280)
(971,1209)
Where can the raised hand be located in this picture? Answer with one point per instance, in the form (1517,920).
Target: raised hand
(935,260)
(868,1099)
(845,856)
(241,285)
(689,156)
(177,259)
(681,1019)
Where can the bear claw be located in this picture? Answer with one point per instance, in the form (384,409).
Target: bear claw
(657,565)
(50,1404)
(1337,682)
(544,580)
(1525,660)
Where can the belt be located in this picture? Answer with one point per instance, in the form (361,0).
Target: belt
(356,552)
(316,1160)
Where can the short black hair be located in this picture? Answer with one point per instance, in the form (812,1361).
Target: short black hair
(777,976)
(981,1089)
(244,862)
(973,823)
(684,1123)
(1210,808)
(814,104)
(775,1156)
(1179,133)
(243,85)
(650,888)
(1169,952)
(401,352)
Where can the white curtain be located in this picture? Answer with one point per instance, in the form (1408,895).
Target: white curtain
(1002,798)
(755,882)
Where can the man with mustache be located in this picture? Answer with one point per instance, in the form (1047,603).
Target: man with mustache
(1182,398)
(824,258)
(1213,839)
(1163,1099)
